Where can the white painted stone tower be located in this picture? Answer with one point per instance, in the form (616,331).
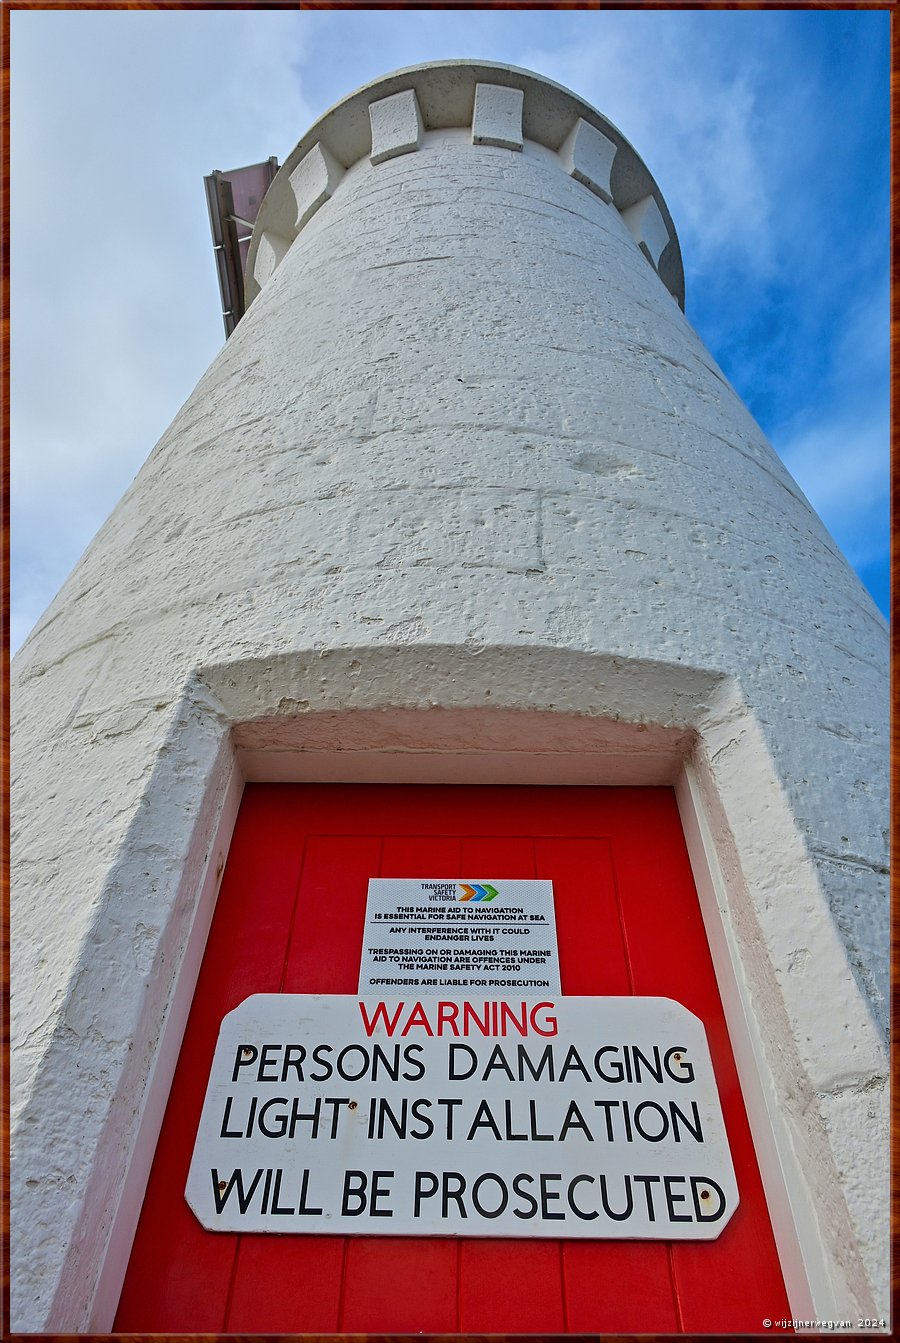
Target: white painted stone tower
(464,498)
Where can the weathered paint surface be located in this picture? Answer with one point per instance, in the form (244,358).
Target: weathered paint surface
(464,451)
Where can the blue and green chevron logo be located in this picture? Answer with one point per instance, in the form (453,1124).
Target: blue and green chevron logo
(475,892)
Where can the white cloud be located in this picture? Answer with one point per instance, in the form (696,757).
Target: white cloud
(838,448)
(699,126)
(115,310)
(841,468)
(862,349)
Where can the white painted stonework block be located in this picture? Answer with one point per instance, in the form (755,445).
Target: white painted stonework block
(647,226)
(313,181)
(270,254)
(396,126)
(587,156)
(497,119)
(540,540)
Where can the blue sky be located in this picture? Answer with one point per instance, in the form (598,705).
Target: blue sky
(766,130)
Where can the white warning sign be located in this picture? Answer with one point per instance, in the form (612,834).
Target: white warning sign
(440,936)
(564,1117)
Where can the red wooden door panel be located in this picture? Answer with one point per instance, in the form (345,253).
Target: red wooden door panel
(633,1279)
(290,919)
(282,1278)
(523,1291)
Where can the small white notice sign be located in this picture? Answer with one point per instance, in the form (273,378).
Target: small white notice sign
(478,1116)
(442,936)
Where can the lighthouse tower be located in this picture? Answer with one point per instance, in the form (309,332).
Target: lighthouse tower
(463,539)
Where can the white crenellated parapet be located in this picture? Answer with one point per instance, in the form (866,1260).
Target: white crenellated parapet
(497,117)
(271,250)
(648,228)
(313,182)
(506,111)
(396,126)
(587,155)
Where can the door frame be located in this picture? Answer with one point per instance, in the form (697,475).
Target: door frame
(741,838)
(796,1237)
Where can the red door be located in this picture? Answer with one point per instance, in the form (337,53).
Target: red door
(290,919)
